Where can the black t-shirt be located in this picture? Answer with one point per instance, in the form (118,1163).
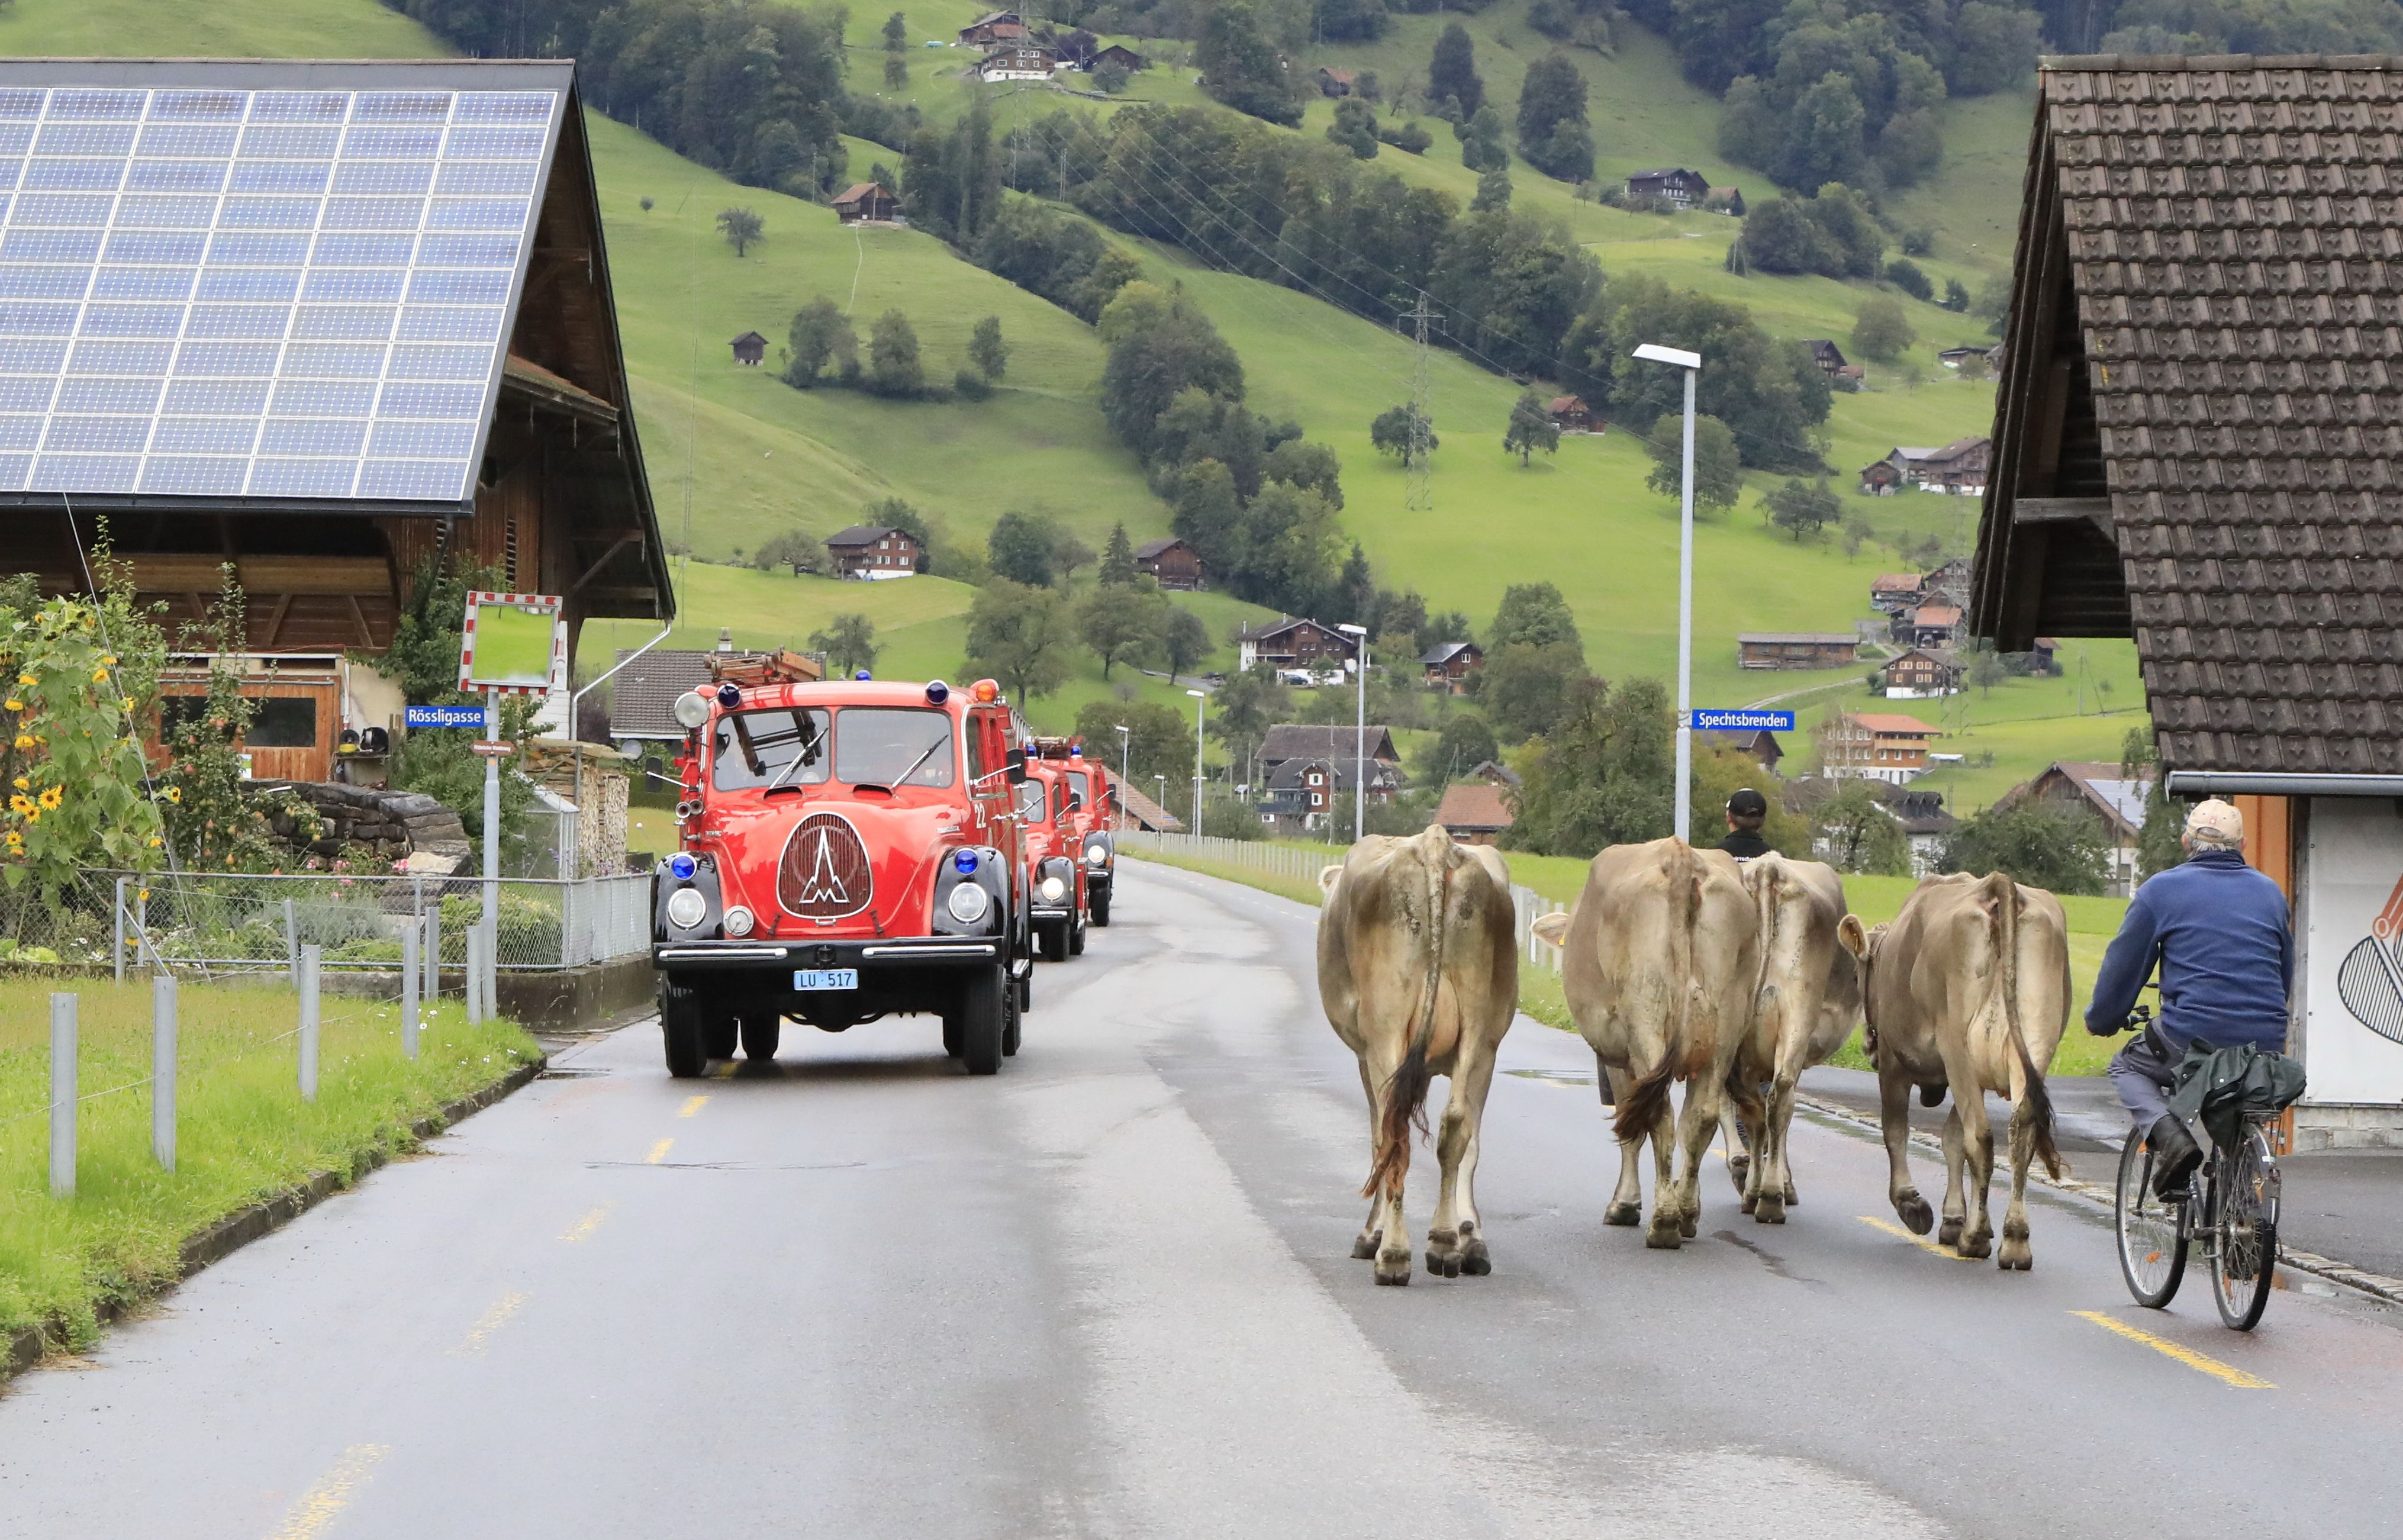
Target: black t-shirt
(1743,845)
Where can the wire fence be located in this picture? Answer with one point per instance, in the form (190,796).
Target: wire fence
(250,923)
(1303,862)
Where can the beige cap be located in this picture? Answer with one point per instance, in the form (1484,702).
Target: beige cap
(2213,822)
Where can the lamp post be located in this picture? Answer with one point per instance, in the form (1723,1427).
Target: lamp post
(1360,742)
(1692,364)
(1200,706)
(1123,743)
(1159,784)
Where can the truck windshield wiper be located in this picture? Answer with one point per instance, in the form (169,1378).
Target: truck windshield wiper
(805,754)
(904,777)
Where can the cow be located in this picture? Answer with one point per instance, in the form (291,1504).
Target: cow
(1418,969)
(1806,996)
(1967,992)
(1661,958)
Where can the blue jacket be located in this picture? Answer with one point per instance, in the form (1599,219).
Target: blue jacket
(2218,930)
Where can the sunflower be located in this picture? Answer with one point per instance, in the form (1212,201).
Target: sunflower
(174,794)
(100,676)
(52,798)
(24,784)
(15,840)
(13,703)
(24,740)
(27,679)
(20,803)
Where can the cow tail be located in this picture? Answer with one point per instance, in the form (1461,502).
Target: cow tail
(1405,1109)
(1767,884)
(2003,895)
(1641,1113)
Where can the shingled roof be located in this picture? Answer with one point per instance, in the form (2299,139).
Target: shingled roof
(2200,404)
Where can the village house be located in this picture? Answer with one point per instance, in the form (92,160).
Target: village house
(2102,787)
(864,203)
(1759,745)
(1894,591)
(1294,644)
(1727,200)
(1173,563)
(1929,625)
(1882,478)
(1018,62)
(873,552)
(750,348)
(2194,449)
(1335,82)
(1919,672)
(1120,54)
(1134,810)
(1308,772)
(1924,823)
(643,694)
(1570,414)
(1958,469)
(1829,357)
(1000,26)
(1952,358)
(1873,747)
(1449,664)
(1797,649)
(1475,813)
(1676,184)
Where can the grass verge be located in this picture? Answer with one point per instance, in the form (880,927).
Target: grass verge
(244,1134)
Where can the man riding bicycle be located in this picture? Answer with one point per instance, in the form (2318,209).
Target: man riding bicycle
(2218,930)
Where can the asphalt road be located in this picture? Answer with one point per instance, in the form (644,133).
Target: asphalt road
(1109,1292)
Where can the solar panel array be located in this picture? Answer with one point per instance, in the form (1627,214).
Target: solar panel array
(257,293)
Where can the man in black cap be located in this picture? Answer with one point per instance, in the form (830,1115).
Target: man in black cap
(1745,811)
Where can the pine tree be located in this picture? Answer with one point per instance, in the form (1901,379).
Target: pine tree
(1452,72)
(1118,557)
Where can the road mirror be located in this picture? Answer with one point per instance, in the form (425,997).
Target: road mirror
(1015,762)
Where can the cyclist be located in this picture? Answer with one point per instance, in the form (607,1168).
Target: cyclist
(2218,931)
(1746,810)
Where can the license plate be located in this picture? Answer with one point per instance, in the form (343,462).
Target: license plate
(826,979)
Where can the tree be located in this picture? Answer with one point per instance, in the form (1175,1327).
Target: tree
(820,335)
(1719,468)
(1986,668)
(1464,743)
(1856,534)
(1526,689)
(1956,296)
(1241,66)
(1481,146)
(2039,842)
(1905,274)
(1533,613)
(1390,434)
(1531,428)
(1553,131)
(792,548)
(849,642)
(1023,547)
(896,33)
(897,71)
(1355,128)
(1493,191)
(893,368)
(1243,709)
(1857,834)
(1800,508)
(1122,623)
(1118,557)
(1881,329)
(1452,72)
(1602,776)
(1185,642)
(1113,77)
(1718,773)
(1157,741)
(986,349)
(740,227)
(1019,636)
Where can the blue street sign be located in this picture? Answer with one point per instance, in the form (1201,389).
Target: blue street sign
(1741,719)
(444,717)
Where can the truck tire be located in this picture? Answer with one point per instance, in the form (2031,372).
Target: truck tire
(1101,909)
(759,1036)
(1077,939)
(680,1028)
(1017,1021)
(720,1036)
(954,1031)
(1054,942)
(983,1019)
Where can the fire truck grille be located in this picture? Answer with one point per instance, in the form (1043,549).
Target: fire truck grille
(824,874)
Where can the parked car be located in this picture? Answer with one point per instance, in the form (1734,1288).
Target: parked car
(846,854)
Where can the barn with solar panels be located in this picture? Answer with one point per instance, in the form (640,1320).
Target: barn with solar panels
(328,322)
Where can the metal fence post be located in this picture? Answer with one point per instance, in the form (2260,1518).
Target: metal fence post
(475,938)
(291,942)
(142,929)
(410,936)
(162,1069)
(309,956)
(432,918)
(116,915)
(62,1095)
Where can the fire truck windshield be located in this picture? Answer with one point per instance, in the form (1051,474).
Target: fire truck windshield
(879,746)
(769,748)
(1030,799)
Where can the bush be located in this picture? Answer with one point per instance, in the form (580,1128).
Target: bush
(971,385)
(1906,275)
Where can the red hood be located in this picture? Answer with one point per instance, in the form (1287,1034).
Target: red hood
(834,866)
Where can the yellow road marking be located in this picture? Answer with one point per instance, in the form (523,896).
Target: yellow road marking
(691,1104)
(587,1225)
(323,1503)
(1930,1247)
(2226,1373)
(493,1320)
(723,1072)
(659,1152)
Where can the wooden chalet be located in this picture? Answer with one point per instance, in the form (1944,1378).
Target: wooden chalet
(749,349)
(865,203)
(1295,643)
(1829,357)
(994,28)
(1929,625)
(873,552)
(2103,788)
(1019,61)
(1874,747)
(1335,82)
(1449,664)
(1173,563)
(1917,672)
(1797,649)
(1894,591)
(1676,184)
(1570,414)
(467,403)
(1758,745)
(1475,813)
(1882,478)
(1120,54)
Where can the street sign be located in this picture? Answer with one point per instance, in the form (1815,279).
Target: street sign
(443,717)
(1741,719)
(494,750)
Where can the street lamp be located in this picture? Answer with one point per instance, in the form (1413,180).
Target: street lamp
(1201,705)
(1692,364)
(1123,741)
(1360,743)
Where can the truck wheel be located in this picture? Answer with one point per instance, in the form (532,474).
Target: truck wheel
(982,1020)
(954,1031)
(1017,1021)
(1054,941)
(759,1036)
(681,1030)
(1077,939)
(1101,909)
(720,1035)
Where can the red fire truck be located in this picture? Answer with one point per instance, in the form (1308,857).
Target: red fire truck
(1048,809)
(1091,786)
(848,852)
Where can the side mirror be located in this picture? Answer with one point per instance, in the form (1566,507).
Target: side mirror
(1076,803)
(1015,766)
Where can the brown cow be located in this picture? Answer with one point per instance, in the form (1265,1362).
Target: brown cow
(1967,992)
(1662,958)
(1806,999)
(1418,969)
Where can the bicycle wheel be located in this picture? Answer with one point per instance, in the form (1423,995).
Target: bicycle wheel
(2246,1254)
(2152,1234)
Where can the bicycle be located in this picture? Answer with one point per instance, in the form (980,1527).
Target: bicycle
(2231,1207)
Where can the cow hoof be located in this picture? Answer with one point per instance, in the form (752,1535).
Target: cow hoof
(1442,1264)
(1917,1217)
(1623,1213)
(1771,1210)
(1366,1247)
(1750,1202)
(1791,1197)
(1738,1167)
(1668,1237)
(1393,1268)
(1950,1234)
(1973,1245)
(2015,1258)
(1687,1225)
(1476,1260)
(1393,1280)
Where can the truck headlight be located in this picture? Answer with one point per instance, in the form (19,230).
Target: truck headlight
(1097,855)
(686,908)
(969,902)
(738,921)
(1053,890)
